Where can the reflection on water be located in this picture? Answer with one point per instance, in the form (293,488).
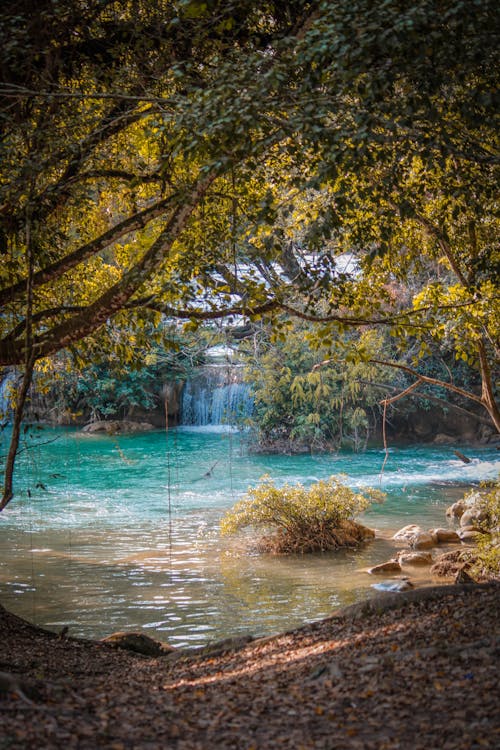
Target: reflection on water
(181,592)
(95,547)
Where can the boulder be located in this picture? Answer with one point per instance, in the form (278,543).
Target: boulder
(442,536)
(407,533)
(423,540)
(405,557)
(450,563)
(115,426)
(469,537)
(473,516)
(415,537)
(139,643)
(457,509)
(394,586)
(391,566)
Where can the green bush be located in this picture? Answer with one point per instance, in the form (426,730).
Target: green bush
(487,564)
(300,519)
(299,406)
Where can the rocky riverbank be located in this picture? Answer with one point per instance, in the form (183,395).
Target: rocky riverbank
(448,553)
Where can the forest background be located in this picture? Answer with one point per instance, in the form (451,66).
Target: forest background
(322,176)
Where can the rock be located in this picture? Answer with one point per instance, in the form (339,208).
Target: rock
(139,643)
(442,439)
(468,528)
(407,533)
(365,532)
(474,499)
(391,566)
(112,427)
(414,558)
(423,540)
(442,536)
(457,509)
(469,537)
(450,563)
(394,586)
(415,537)
(472,516)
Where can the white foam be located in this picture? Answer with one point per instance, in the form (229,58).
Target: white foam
(209,428)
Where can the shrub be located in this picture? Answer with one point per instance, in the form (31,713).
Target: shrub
(487,563)
(301,519)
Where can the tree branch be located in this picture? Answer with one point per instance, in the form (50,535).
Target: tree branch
(116,120)
(428,379)
(430,397)
(402,394)
(116,297)
(490,406)
(58,268)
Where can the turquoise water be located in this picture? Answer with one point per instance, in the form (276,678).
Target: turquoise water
(121,532)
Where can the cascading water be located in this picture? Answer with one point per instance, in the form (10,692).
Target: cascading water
(215,396)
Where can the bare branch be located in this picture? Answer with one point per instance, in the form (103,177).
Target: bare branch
(402,394)
(428,379)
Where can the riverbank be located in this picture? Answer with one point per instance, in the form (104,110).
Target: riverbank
(415,670)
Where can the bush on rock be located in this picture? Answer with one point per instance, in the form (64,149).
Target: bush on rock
(297,519)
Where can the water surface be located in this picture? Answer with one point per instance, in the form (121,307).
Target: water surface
(121,532)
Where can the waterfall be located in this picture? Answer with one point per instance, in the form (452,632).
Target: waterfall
(215,397)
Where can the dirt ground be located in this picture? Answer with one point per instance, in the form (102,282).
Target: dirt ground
(412,671)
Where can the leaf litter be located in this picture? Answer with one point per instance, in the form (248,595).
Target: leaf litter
(405,671)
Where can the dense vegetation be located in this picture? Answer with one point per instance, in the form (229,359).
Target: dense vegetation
(70,388)
(300,405)
(196,160)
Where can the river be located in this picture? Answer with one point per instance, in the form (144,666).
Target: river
(109,533)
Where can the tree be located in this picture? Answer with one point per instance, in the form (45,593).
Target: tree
(96,150)
(103,385)
(300,406)
(192,159)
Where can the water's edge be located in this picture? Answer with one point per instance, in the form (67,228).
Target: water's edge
(122,534)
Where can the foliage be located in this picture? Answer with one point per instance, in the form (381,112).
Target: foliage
(100,391)
(205,159)
(487,563)
(311,519)
(68,388)
(300,404)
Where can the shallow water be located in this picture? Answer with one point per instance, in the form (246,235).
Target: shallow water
(108,533)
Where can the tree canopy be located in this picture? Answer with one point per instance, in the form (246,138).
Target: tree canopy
(201,159)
